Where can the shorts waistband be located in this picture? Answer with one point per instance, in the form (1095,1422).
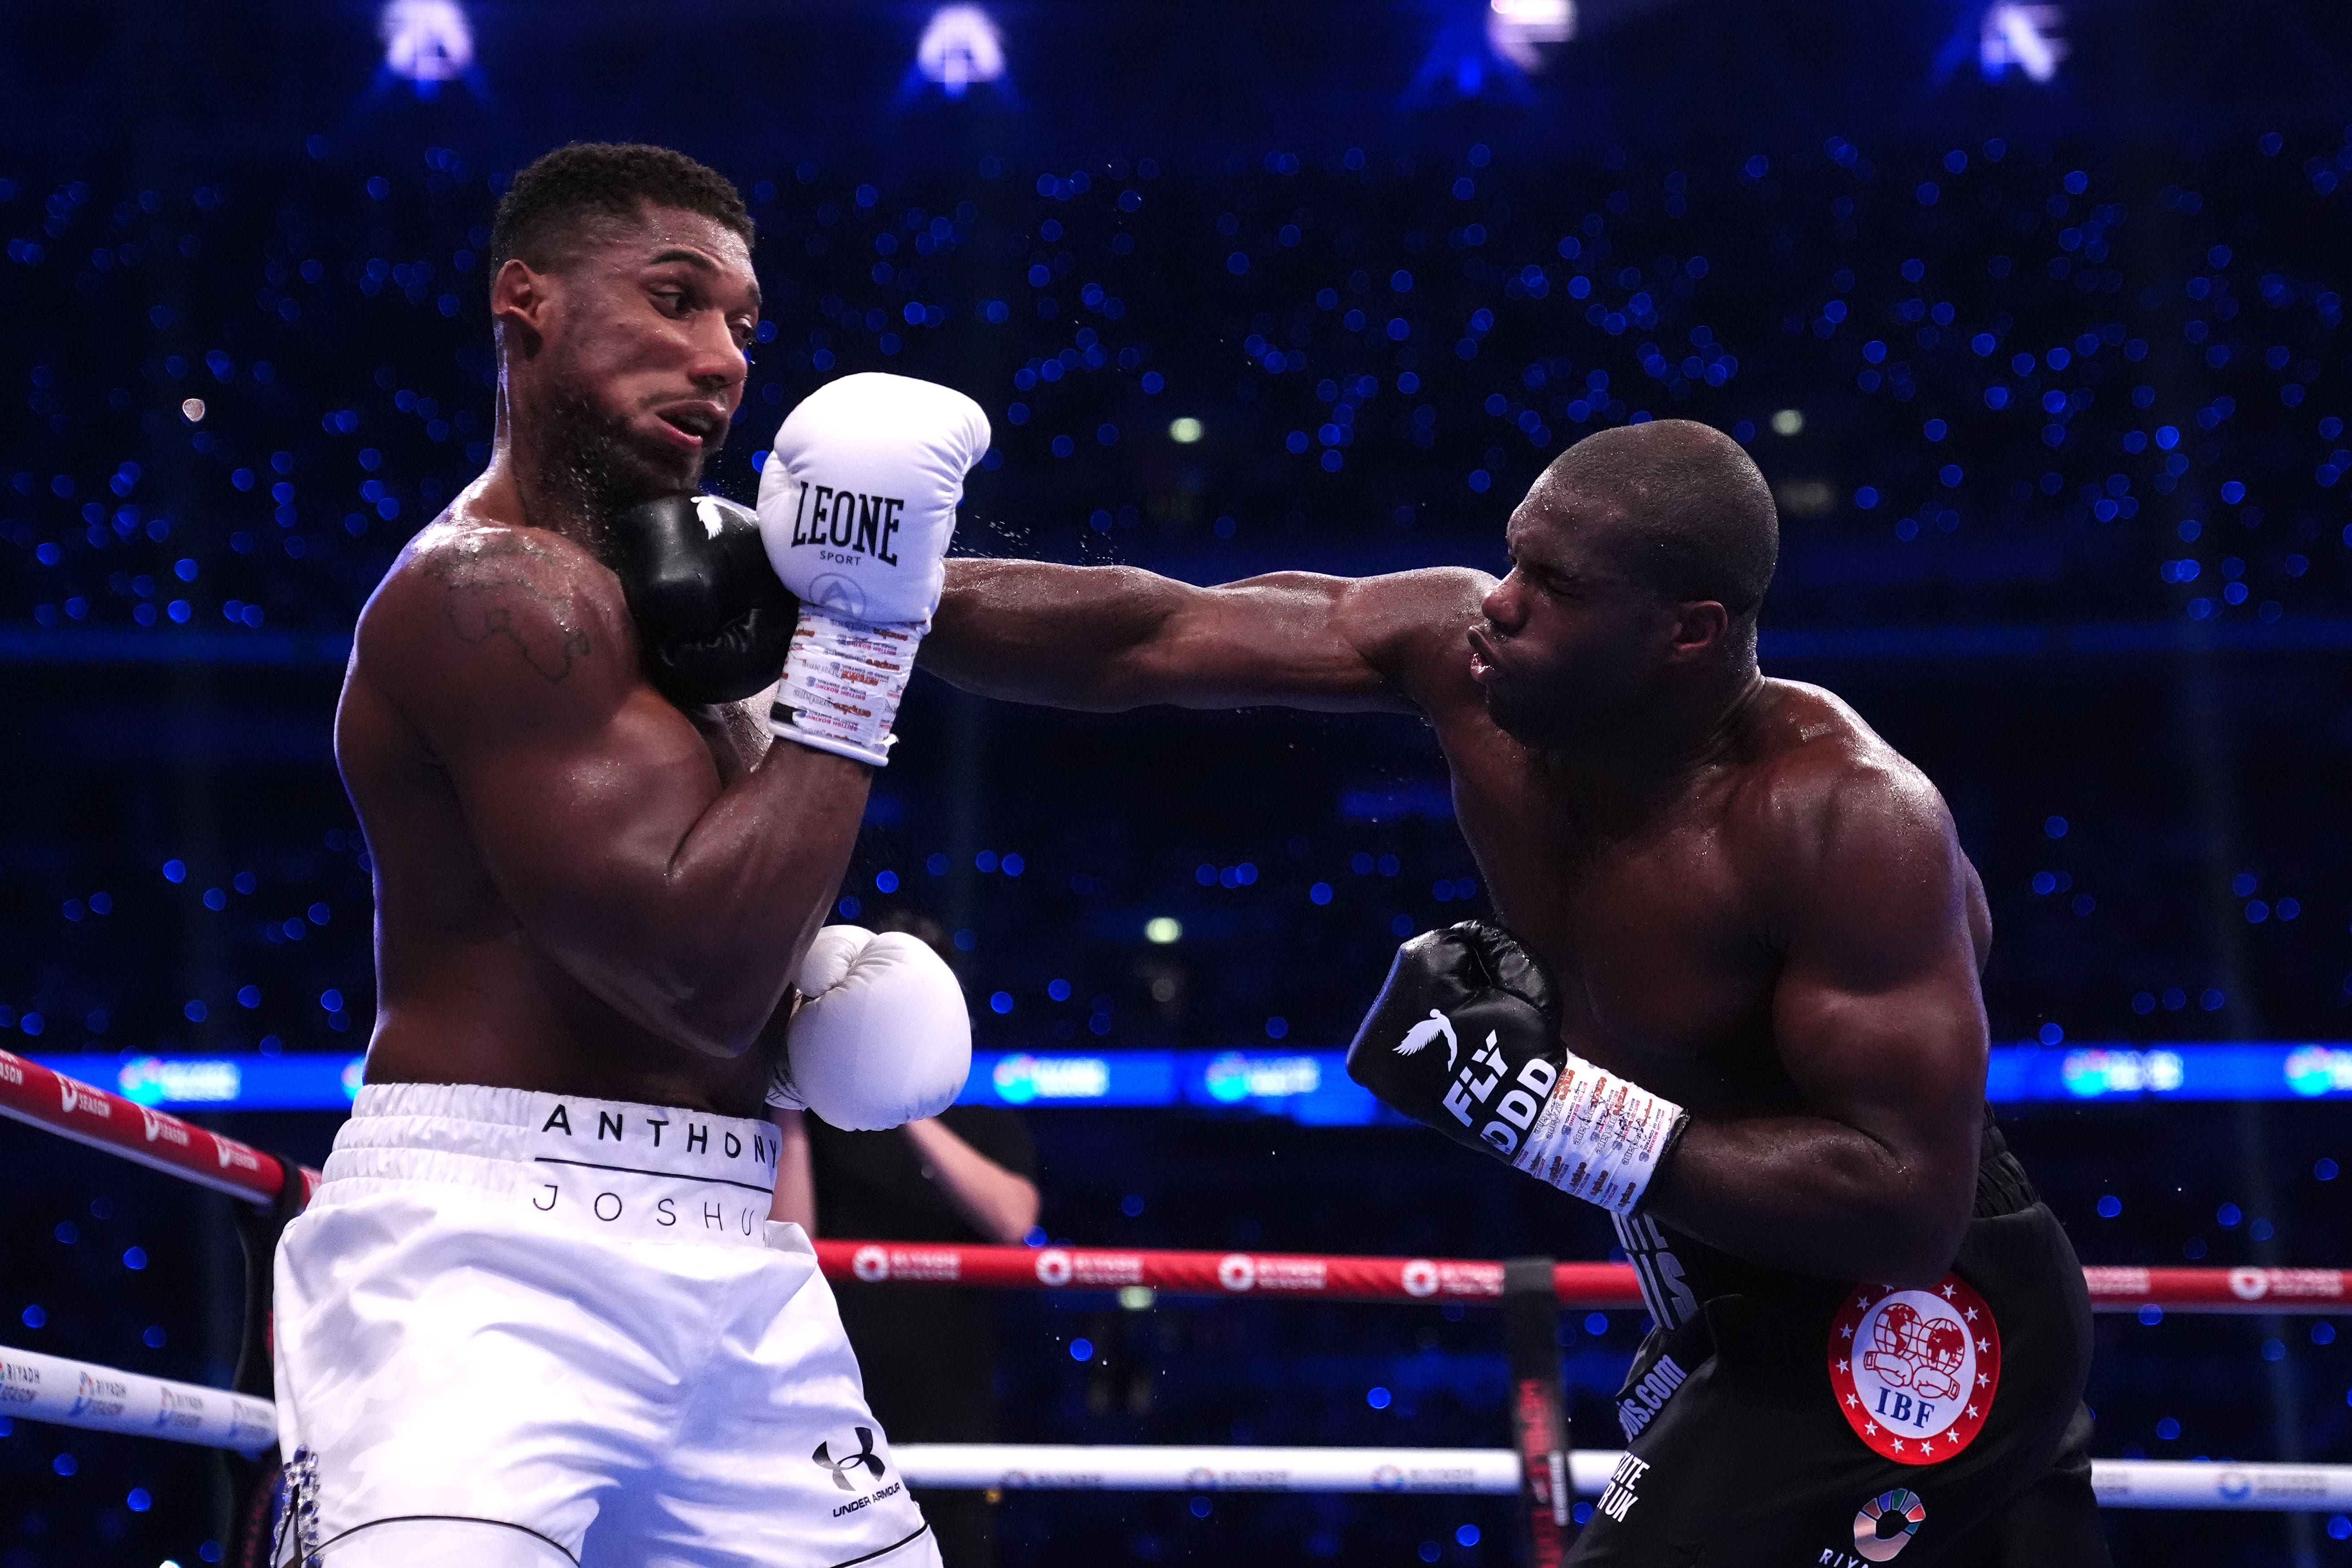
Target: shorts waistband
(653,1172)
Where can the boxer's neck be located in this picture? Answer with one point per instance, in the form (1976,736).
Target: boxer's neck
(1688,727)
(531,480)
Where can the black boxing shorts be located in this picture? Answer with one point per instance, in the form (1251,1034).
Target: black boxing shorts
(1793,1422)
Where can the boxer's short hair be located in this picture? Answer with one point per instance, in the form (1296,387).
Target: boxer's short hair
(555,203)
(1695,517)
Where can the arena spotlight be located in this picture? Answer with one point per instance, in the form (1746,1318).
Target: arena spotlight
(2024,36)
(960,46)
(426,42)
(1515,29)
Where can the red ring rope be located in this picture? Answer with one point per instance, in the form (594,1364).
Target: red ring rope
(1580,1286)
(33,1094)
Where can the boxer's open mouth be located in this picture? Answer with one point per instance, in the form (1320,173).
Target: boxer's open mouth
(1482,654)
(699,422)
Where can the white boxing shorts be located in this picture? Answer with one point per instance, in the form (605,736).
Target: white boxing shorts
(527,1330)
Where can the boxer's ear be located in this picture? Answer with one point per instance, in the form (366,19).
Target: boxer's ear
(520,301)
(1698,631)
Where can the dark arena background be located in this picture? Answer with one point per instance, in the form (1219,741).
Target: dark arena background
(2031,314)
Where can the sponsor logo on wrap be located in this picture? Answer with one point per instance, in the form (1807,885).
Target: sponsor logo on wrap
(1914,1372)
(2249,1284)
(1421,1278)
(10,1072)
(1053,1267)
(871,1264)
(1236,1272)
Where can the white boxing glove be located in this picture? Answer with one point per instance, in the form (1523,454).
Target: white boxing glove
(856,505)
(883,1038)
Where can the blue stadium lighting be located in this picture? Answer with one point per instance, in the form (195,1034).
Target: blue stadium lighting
(2024,39)
(960,46)
(426,43)
(1517,29)
(1309,1087)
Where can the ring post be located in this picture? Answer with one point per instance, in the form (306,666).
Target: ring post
(255,1481)
(1539,1415)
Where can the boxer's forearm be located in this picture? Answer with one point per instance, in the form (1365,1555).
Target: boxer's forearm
(995,1202)
(1814,1197)
(1102,638)
(694,932)
(1061,636)
(795,1198)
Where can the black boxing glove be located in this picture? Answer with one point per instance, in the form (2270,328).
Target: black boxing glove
(1464,1037)
(714,624)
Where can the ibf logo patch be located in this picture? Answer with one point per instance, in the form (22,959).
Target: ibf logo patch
(1914,1372)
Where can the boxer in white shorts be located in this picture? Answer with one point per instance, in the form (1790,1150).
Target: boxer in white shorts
(536,1313)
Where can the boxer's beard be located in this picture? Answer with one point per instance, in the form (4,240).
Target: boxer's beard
(594,466)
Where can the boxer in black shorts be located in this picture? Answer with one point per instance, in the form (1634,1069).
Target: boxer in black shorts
(1736,1006)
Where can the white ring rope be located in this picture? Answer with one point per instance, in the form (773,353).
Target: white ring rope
(78,1394)
(105,1399)
(2120,1483)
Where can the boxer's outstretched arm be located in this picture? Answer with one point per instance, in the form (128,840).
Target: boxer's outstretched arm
(1108,637)
(1881,1025)
(596,805)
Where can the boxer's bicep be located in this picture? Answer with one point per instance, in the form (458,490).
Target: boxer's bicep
(577,781)
(1877,1015)
(1302,640)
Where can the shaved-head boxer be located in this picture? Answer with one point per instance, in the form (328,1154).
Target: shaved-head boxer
(536,1314)
(1734,999)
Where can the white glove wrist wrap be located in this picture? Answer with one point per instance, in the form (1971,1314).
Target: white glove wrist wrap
(842,683)
(1599,1137)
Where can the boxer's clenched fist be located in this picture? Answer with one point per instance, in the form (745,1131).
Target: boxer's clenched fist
(883,1038)
(713,623)
(1465,1038)
(856,505)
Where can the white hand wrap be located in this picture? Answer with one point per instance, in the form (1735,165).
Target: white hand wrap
(843,680)
(882,1040)
(1599,1137)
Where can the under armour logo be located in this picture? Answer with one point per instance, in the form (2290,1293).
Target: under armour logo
(841,1466)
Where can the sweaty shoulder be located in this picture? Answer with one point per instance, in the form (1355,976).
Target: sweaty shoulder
(483,622)
(1818,784)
